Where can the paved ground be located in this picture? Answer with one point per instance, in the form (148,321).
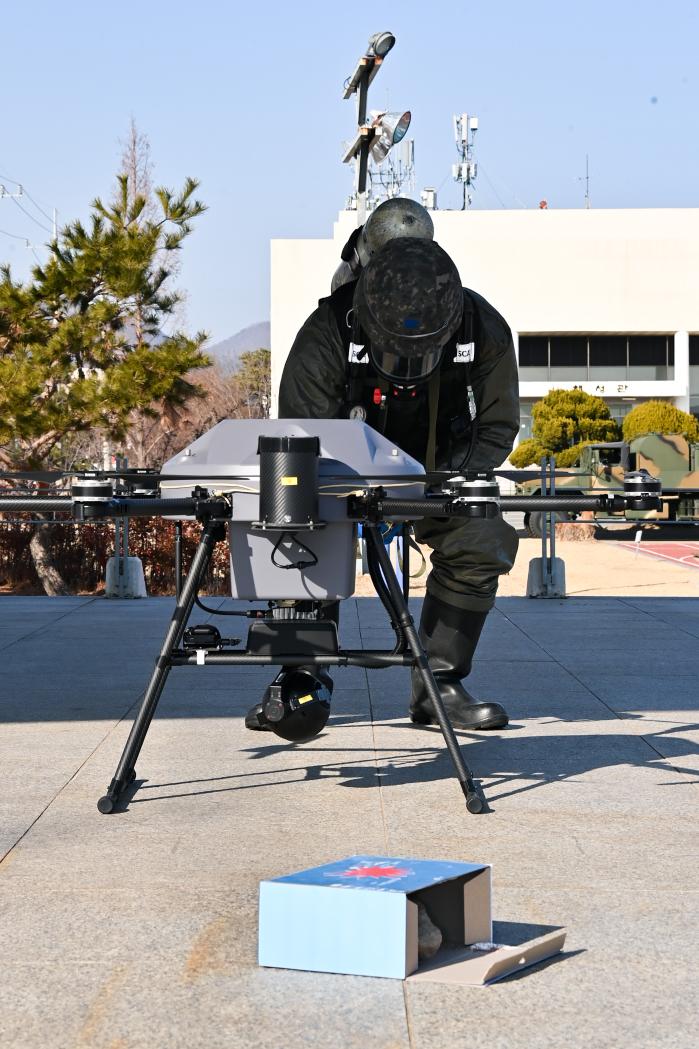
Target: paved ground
(138,930)
(600,568)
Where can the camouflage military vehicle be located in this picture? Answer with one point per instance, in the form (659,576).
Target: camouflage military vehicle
(667,456)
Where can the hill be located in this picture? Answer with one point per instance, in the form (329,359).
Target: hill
(228,351)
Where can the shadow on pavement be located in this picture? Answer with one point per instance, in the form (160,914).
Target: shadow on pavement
(538,760)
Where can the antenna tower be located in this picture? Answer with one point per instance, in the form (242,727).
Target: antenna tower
(586,180)
(465,172)
(397,171)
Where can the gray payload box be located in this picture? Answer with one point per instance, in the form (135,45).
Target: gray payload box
(263,562)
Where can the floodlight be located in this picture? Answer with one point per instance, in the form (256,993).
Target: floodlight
(390,129)
(380,44)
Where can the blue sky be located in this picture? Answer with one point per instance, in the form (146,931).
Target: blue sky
(248,100)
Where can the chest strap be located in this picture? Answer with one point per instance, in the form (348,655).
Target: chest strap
(433,410)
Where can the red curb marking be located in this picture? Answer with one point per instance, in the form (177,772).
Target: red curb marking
(686,554)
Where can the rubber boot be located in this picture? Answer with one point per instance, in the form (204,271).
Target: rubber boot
(449,636)
(255,719)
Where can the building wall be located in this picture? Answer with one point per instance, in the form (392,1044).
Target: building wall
(547,271)
(301,271)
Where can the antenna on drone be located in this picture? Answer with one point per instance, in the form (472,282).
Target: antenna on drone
(465,172)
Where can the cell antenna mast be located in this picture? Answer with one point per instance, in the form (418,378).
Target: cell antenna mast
(398,171)
(465,172)
(586,180)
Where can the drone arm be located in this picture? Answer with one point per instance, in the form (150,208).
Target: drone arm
(35,503)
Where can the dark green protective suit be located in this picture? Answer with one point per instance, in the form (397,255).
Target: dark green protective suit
(468,554)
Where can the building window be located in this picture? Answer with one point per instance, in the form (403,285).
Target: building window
(693,350)
(620,409)
(648,357)
(694,374)
(599,358)
(568,356)
(534,357)
(608,356)
(525,420)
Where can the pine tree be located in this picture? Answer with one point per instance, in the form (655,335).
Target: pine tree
(253,381)
(82,343)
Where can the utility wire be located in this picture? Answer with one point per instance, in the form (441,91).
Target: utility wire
(490,183)
(15,236)
(30,216)
(509,190)
(37,206)
(26,194)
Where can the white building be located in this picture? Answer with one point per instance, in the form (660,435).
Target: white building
(606,300)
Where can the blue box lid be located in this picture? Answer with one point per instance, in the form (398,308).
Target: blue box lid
(384,873)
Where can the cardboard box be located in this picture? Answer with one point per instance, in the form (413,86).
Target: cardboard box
(359,916)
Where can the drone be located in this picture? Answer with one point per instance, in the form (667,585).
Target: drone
(289,496)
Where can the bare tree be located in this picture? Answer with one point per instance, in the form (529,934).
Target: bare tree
(151,440)
(137,164)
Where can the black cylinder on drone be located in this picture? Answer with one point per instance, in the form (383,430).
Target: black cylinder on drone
(288,482)
(642,491)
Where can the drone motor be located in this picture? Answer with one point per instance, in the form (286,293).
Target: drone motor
(478,493)
(92,496)
(642,491)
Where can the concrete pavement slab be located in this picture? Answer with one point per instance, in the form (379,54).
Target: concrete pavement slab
(139,929)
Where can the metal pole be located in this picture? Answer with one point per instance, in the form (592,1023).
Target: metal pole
(178,558)
(544,525)
(119,544)
(124,465)
(552,517)
(363,155)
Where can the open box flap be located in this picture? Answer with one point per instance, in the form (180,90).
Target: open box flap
(463,965)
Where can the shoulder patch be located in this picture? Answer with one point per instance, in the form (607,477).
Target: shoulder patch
(465,352)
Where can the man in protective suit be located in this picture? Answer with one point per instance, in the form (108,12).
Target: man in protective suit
(432,366)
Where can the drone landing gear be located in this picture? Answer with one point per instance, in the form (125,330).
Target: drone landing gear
(408,652)
(125,774)
(474,799)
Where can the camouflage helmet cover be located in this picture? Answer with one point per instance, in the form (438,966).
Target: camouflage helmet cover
(398,217)
(409,303)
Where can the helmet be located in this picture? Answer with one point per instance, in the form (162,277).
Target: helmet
(342,275)
(296,706)
(409,302)
(398,217)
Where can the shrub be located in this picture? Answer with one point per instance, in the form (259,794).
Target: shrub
(659,417)
(566,417)
(570,456)
(528,452)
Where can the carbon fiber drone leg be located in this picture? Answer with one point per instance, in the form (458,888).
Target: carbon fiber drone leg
(474,799)
(125,774)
